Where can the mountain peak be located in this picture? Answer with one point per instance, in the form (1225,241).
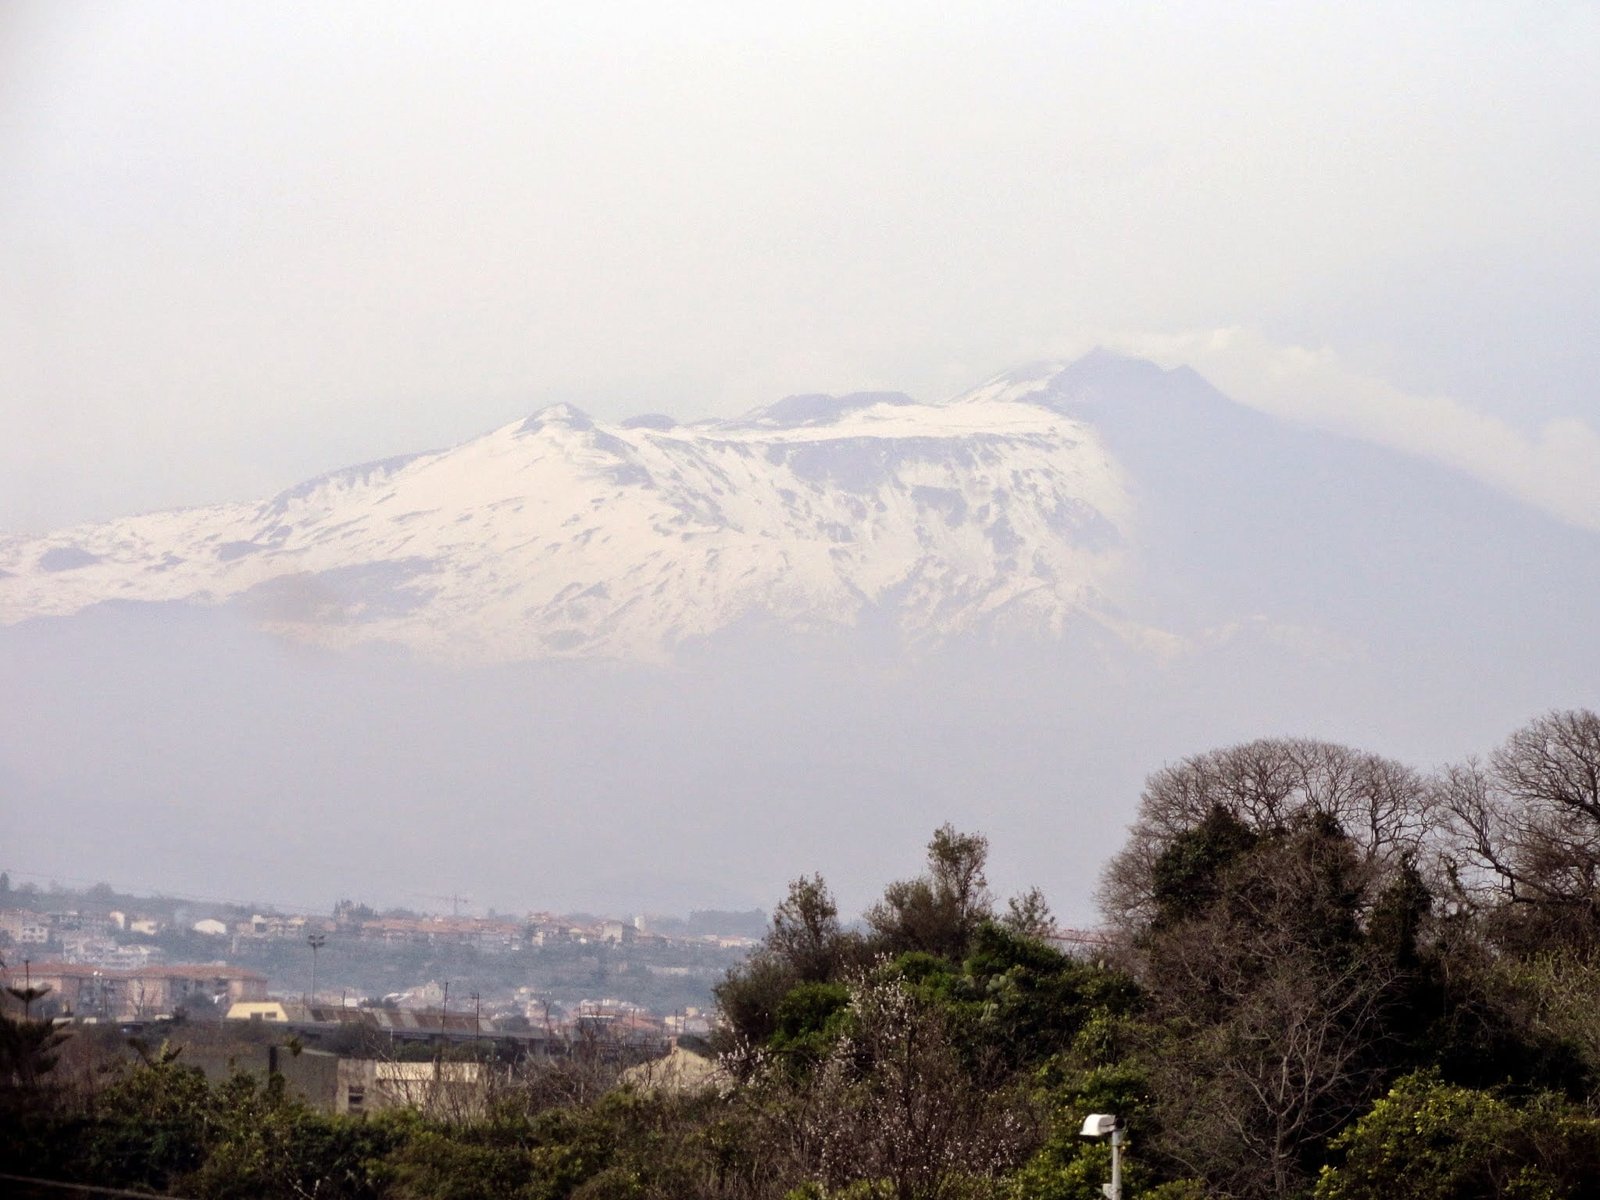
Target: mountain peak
(568,415)
(818,408)
(1098,375)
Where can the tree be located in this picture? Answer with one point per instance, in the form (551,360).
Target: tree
(1267,1005)
(29,1051)
(805,930)
(893,1103)
(1267,787)
(1526,831)
(938,912)
(1188,876)
(1428,1140)
(1028,915)
(805,944)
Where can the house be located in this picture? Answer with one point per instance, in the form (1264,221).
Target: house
(75,988)
(444,1089)
(353,1085)
(210,927)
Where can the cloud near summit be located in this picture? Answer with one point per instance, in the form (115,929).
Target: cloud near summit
(1555,467)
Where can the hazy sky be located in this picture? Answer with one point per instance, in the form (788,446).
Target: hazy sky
(241,244)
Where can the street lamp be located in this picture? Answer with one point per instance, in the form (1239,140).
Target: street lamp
(316,941)
(1098,1125)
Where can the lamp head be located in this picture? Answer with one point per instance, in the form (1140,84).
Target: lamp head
(1097,1125)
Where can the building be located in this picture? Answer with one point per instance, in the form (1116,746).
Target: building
(452,1090)
(25,928)
(332,1083)
(140,993)
(178,985)
(75,988)
(276,1011)
(678,1071)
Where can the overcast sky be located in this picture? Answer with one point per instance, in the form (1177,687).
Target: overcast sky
(241,244)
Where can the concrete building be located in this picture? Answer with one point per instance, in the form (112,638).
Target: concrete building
(25,928)
(106,993)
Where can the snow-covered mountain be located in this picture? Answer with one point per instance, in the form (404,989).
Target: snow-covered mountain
(1109,497)
(559,536)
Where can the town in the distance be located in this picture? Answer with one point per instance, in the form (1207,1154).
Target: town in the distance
(230,980)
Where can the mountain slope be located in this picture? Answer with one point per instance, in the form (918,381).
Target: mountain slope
(561,537)
(1244,516)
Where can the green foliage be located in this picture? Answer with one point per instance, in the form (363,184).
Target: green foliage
(1427,1140)
(29,1051)
(1177,1189)
(161,1126)
(1029,915)
(268,1146)
(749,998)
(805,932)
(1066,1166)
(938,912)
(1036,1000)
(151,1127)
(1187,877)
(809,1018)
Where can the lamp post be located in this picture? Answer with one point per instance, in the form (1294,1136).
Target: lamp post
(316,941)
(1098,1125)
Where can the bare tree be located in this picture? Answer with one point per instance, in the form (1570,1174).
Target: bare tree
(1526,825)
(1242,1099)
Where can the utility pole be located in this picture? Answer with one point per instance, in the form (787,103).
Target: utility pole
(444,1030)
(316,941)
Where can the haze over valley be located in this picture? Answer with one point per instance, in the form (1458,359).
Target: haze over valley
(648,665)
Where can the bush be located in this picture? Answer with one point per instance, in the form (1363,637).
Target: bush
(1427,1140)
